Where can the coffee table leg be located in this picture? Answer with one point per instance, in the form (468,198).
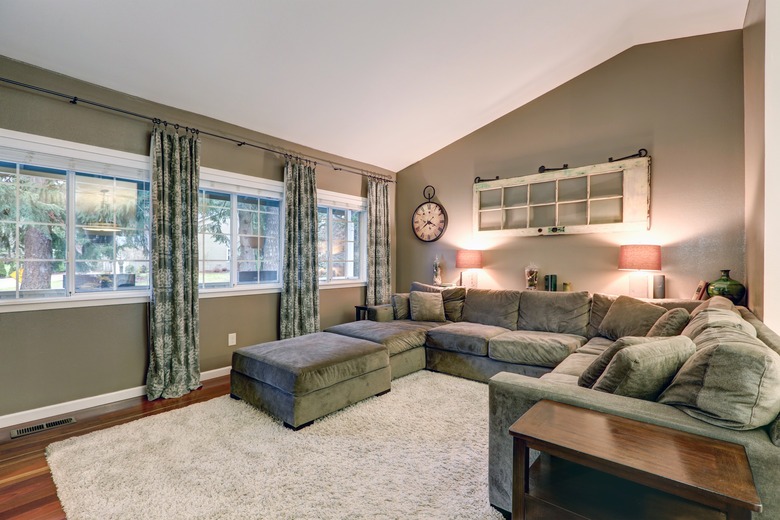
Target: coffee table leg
(738,513)
(519,478)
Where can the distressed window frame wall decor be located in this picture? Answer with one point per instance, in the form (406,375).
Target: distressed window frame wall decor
(612,196)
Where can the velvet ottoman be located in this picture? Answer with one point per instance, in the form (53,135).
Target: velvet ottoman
(302,379)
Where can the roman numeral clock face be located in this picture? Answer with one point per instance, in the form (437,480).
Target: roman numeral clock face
(429,221)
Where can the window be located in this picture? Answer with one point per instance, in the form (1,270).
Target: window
(64,231)
(340,244)
(604,197)
(239,239)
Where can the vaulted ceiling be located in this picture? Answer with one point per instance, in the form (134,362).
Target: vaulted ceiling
(386,82)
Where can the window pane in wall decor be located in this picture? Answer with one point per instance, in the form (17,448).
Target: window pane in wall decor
(612,196)
(112,234)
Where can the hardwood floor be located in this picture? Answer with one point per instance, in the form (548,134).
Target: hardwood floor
(27,491)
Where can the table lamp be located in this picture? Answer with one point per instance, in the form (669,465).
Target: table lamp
(470,260)
(640,258)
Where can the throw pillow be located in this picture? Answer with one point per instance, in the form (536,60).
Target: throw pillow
(599,307)
(671,323)
(774,431)
(629,317)
(643,371)
(496,307)
(401,306)
(425,306)
(453,297)
(589,376)
(561,312)
(716,318)
(733,382)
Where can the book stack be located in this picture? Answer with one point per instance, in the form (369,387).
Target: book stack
(701,290)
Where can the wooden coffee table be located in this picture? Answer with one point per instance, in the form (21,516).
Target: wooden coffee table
(620,453)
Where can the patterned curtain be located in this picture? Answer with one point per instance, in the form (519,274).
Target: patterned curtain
(300,307)
(378,290)
(174,367)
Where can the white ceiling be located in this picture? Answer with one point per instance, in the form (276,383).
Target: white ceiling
(386,82)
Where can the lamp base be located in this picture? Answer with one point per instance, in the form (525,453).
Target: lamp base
(637,285)
(469,279)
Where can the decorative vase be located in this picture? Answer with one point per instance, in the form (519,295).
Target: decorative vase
(726,287)
(436,271)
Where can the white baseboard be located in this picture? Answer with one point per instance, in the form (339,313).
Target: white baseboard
(88,402)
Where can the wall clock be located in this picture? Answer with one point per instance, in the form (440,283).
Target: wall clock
(429,220)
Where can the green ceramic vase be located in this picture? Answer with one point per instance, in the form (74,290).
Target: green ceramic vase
(726,287)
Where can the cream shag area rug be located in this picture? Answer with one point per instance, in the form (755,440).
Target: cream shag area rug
(418,452)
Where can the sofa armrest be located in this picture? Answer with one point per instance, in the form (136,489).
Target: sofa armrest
(511,395)
(382,312)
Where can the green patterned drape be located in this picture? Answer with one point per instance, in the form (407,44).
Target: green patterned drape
(378,290)
(174,367)
(300,307)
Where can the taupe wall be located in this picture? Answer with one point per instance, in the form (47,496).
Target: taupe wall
(54,356)
(753,48)
(680,99)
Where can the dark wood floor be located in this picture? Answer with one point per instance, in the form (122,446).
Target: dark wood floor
(27,491)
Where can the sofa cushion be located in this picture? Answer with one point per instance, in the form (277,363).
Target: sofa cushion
(596,345)
(597,367)
(575,364)
(716,302)
(424,306)
(718,319)
(629,317)
(492,307)
(401,306)
(562,312)
(464,337)
(644,370)
(599,306)
(733,382)
(529,347)
(453,298)
(671,323)
(397,336)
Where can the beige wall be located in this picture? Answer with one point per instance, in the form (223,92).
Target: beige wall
(54,356)
(680,99)
(753,50)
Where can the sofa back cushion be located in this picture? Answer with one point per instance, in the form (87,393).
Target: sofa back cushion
(601,304)
(453,298)
(644,370)
(591,374)
(733,381)
(716,302)
(716,318)
(629,317)
(492,307)
(671,323)
(425,306)
(561,312)
(401,306)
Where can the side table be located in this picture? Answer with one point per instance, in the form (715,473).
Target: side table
(706,471)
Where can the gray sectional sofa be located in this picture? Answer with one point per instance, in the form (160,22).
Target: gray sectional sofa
(708,368)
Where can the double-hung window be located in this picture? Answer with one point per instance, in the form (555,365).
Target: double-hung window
(239,226)
(341,238)
(74,219)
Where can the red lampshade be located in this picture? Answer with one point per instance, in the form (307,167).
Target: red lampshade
(469,259)
(640,258)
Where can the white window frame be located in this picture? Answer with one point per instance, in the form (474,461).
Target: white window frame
(48,152)
(335,200)
(36,150)
(235,184)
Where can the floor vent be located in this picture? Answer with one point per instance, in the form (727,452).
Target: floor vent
(40,427)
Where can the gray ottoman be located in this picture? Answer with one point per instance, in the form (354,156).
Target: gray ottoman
(302,379)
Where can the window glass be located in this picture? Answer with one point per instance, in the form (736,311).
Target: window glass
(214,248)
(339,245)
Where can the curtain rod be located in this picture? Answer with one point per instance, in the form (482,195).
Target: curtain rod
(74,100)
